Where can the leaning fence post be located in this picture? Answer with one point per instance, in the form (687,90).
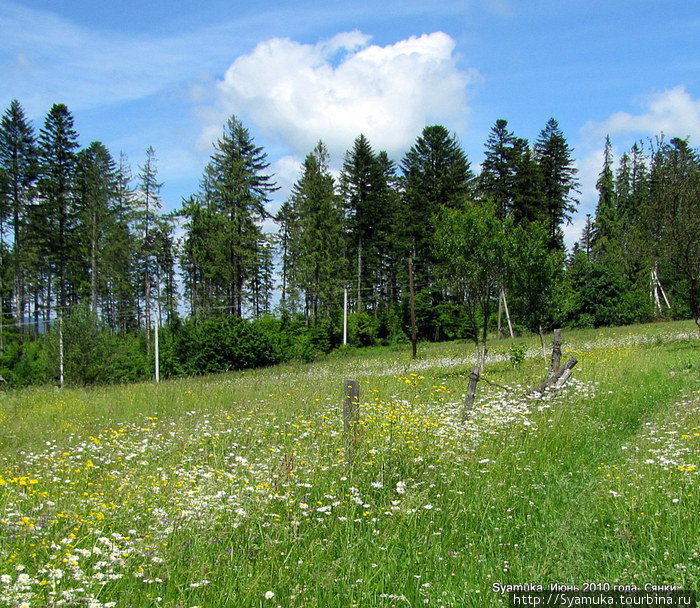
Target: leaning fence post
(471,393)
(559,377)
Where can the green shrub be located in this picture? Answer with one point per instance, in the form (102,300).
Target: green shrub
(363,329)
(517,354)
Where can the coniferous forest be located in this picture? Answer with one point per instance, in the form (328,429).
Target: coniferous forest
(93,272)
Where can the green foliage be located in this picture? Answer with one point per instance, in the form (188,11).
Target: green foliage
(437,175)
(214,345)
(559,182)
(26,362)
(533,271)
(91,355)
(316,237)
(600,295)
(363,329)
(517,354)
(94,356)
(391,328)
(472,249)
(78,238)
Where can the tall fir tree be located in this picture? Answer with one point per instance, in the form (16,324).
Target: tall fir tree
(559,182)
(164,257)
(605,246)
(147,207)
(389,230)
(262,282)
(528,202)
(316,243)
(19,166)
(497,180)
(362,186)
(436,174)
(673,219)
(58,142)
(236,189)
(96,190)
(121,254)
(195,255)
(287,220)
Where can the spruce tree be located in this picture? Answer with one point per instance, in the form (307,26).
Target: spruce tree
(436,174)
(362,184)
(316,243)
(287,219)
(262,282)
(96,190)
(194,255)
(607,225)
(121,253)
(497,181)
(389,230)
(559,182)
(18,164)
(164,267)
(58,142)
(147,206)
(528,200)
(673,219)
(236,189)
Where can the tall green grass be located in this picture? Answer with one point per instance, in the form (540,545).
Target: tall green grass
(241,490)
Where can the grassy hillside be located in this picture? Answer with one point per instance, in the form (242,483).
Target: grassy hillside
(240,489)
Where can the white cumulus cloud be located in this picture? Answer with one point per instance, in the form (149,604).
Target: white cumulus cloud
(336,89)
(673,112)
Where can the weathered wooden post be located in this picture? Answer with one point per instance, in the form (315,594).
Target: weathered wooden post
(556,353)
(471,393)
(561,381)
(559,378)
(351,404)
(351,410)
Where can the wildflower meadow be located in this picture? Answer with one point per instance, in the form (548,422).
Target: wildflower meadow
(242,489)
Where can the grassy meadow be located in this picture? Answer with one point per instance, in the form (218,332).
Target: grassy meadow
(241,489)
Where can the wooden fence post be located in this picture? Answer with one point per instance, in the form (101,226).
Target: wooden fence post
(351,410)
(559,377)
(351,404)
(556,353)
(471,393)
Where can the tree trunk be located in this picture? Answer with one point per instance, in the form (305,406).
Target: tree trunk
(2,288)
(19,275)
(359,275)
(93,265)
(471,393)
(500,313)
(414,336)
(147,311)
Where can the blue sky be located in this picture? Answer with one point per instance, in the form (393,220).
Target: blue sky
(168,74)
